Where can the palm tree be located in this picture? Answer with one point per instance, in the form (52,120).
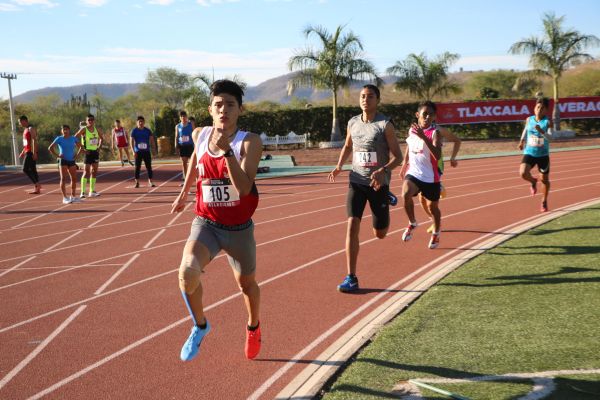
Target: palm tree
(425,78)
(334,66)
(555,52)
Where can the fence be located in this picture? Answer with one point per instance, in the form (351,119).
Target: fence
(290,138)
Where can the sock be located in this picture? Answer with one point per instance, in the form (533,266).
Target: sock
(253,328)
(92,184)
(189,307)
(83,184)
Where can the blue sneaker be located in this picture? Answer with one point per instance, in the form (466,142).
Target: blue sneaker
(350,284)
(192,344)
(392,199)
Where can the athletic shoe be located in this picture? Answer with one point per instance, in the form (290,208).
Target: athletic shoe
(350,284)
(181,184)
(137,185)
(442,191)
(252,347)
(66,200)
(75,200)
(434,241)
(94,194)
(392,199)
(82,196)
(152,185)
(544,207)
(533,188)
(430,229)
(192,344)
(130,163)
(122,163)
(407,235)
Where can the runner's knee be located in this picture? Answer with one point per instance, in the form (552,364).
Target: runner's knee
(189,273)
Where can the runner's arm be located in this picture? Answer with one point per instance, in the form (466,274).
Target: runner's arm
(51,149)
(395,159)
(344,153)
(243,173)
(34,142)
(523,135)
(451,137)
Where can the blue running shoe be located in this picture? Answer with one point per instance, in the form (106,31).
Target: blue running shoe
(350,284)
(192,344)
(392,199)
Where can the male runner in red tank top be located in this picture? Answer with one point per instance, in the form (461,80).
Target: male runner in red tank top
(30,145)
(223,167)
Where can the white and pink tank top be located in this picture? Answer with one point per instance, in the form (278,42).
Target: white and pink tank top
(421,163)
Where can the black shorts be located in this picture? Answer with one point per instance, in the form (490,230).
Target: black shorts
(67,163)
(186,150)
(91,157)
(431,191)
(543,163)
(357,198)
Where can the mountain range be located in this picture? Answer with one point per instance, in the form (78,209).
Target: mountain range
(274,89)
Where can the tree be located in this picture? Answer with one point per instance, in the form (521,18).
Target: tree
(425,78)
(332,67)
(167,85)
(555,52)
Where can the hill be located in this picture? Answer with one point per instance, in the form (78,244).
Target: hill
(582,80)
(111,91)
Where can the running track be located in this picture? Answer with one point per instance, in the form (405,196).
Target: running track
(90,305)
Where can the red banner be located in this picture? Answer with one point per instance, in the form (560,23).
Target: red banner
(477,112)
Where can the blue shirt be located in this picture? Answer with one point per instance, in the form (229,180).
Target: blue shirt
(66,147)
(184,134)
(141,139)
(536,144)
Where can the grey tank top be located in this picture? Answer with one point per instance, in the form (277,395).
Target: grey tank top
(370,150)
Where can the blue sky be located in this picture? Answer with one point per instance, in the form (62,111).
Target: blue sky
(64,43)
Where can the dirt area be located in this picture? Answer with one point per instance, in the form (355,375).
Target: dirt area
(468,147)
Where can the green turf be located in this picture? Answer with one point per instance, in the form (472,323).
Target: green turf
(531,304)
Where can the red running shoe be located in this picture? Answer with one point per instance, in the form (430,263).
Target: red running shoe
(252,347)
(434,241)
(533,188)
(544,207)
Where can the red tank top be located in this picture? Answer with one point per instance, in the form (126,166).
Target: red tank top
(120,136)
(27,141)
(216,197)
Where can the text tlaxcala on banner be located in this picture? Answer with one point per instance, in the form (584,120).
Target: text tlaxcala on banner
(477,112)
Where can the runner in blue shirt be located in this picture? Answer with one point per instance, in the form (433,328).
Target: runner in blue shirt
(183,141)
(67,145)
(535,143)
(142,142)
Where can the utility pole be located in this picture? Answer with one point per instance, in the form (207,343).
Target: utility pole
(13,131)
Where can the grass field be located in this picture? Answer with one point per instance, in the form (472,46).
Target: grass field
(531,305)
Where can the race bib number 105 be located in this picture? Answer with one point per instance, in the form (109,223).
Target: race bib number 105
(219,193)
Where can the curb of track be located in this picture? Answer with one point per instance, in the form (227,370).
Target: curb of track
(309,382)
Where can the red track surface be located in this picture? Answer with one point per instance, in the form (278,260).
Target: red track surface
(90,305)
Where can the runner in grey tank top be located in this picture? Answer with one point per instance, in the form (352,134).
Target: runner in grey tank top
(369,147)
(372,143)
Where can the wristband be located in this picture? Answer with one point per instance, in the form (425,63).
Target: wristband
(229,153)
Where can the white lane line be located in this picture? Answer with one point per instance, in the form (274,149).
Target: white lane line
(231,297)
(154,238)
(64,240)
(40,347)
(52,191)
(17,266)
(132,202)
(116,274)
(214,305)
